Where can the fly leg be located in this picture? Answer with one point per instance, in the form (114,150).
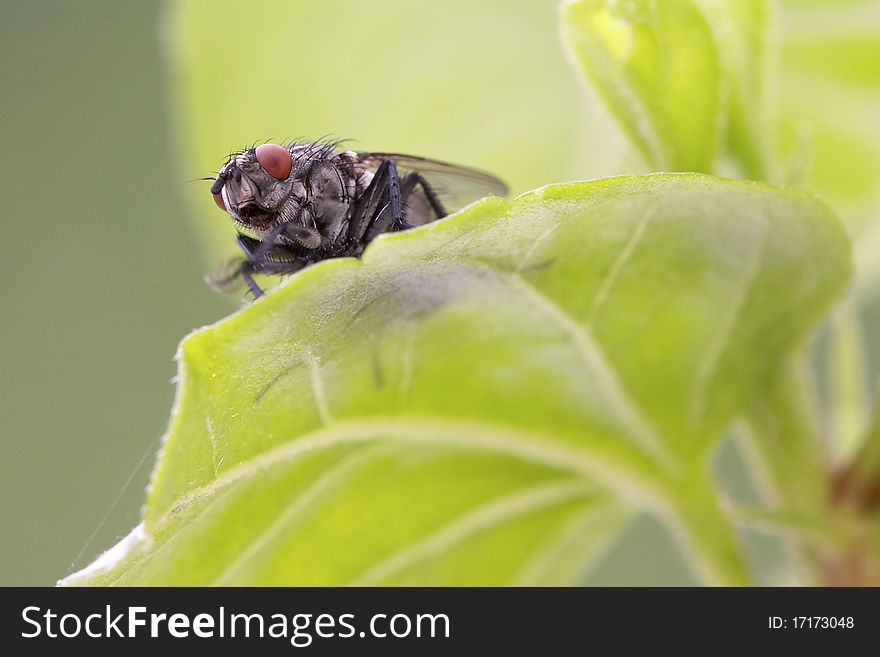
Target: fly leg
(247,274)
(247,271)
(257,252)
(257,263)
(408,185)
(230,272)
(295,229)
(256,259)
(379,208)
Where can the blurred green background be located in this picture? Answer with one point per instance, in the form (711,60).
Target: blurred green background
(102,275)
(104,122)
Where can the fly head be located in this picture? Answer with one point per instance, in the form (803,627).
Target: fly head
(259,188)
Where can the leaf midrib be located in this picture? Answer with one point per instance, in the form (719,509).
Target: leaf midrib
(619,464)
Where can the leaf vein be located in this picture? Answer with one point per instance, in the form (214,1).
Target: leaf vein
(623,467)
(482,519)
(619,263)
(318,389)
(708,366)
(330,479)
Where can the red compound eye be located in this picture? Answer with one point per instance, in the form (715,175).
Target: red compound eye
(275,160)
(218,199)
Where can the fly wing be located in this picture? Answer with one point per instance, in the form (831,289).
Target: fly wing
(456,186)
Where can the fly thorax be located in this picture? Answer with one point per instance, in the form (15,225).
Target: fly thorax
(332,190)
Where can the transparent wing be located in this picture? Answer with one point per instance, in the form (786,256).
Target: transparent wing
(456,186)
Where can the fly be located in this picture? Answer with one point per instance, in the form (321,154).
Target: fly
(299,204)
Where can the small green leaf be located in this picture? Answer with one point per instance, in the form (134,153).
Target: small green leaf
(484,399)
(742,29)
(657,67)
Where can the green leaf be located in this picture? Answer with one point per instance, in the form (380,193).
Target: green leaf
(739,86)
(657,67)
(741,30)
(485,399)
(686,79)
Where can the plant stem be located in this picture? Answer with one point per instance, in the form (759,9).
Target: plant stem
(848,390)
(700,520)
(858,486)
(785,439)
